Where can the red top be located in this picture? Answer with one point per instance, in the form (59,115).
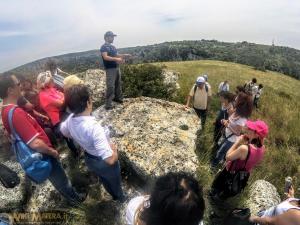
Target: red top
(47,97)
(25,125)
(256,155)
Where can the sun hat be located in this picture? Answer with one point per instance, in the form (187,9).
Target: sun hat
(72,80)
(259,126)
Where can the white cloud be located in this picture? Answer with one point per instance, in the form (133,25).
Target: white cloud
(62,26)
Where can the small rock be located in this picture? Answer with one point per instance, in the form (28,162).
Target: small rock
(262,195)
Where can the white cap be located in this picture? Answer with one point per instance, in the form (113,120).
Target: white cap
(200,80)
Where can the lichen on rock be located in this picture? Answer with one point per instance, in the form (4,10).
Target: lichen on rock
(262,195)
(153,141)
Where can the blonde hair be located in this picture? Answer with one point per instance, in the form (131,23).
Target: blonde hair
(44,79)
(71,81)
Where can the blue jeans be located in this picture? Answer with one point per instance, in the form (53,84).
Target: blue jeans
(60,181)
(221,153)
(110,175)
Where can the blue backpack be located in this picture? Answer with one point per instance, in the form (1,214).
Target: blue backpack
(36,166)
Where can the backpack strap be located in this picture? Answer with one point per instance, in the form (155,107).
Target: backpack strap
(206,88)
(195,89)
(12,129)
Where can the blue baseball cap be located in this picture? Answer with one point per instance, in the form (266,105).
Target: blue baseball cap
(109,34)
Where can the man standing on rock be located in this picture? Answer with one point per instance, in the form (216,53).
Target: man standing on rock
(111,61)
(201,95)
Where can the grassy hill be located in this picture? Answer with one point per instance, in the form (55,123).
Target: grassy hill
(279,107)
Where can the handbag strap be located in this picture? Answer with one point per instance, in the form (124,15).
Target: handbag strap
(12,129)
(248,156)
(235,161)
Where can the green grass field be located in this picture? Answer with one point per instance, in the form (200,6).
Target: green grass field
(279,107)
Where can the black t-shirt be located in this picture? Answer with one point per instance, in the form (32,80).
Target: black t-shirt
(111,51)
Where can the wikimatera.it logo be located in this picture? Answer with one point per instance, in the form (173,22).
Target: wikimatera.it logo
(27,218)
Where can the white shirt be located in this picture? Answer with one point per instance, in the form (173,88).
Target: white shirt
(223,87)
(134,205)
(233,123)
(88,133)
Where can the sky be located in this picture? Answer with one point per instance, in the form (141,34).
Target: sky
(34,29)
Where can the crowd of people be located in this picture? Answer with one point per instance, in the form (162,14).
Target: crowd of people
(58,109)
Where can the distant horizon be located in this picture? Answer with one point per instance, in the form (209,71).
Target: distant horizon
(138,46)
(31,30)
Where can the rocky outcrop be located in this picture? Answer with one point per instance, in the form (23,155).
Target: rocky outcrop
(95,79)
(171,77)
(153,136)
(262,195)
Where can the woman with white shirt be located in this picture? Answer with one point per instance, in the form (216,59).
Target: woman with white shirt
(234,125)
(176,199)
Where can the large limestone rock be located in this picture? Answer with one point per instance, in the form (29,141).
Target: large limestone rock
(154,136)
(95,79)
(171,77)
(262,195)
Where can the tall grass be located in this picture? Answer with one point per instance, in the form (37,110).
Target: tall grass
(279,107)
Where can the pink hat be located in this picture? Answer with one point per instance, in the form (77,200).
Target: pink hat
(259,126)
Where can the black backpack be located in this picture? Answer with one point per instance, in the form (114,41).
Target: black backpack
(8,177)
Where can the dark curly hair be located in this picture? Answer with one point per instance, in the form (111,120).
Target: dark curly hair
(51,65)
(77,97)
(244,105)
(6,81)
(176,199)
(228,96)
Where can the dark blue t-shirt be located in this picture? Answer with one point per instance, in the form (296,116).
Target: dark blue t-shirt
(111,51)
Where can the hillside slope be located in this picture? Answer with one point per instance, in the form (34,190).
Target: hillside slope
(279,107)
(263,57)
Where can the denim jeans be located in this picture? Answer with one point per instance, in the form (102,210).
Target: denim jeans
(110,175)
(221,153)
(60,181)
